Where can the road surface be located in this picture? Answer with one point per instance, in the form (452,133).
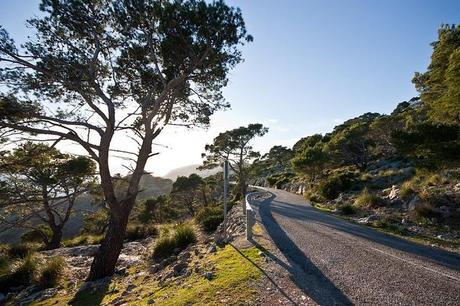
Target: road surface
(344,264)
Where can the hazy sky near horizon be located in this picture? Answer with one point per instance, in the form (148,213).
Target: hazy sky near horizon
(312,65)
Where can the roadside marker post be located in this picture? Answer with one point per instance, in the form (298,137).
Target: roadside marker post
(225,196)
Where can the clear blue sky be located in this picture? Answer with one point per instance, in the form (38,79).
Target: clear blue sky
(312,65)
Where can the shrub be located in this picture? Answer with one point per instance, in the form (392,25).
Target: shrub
(347,210)
(35,235)
(19,250)
(425,211)
(52,273)
(138,231)
(334,185)
(184,235)
(367,199)
(209,218)
(84,239)
(164,247)
(22,273)
(407,190)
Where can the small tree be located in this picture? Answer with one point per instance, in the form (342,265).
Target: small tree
(234,145)
(187,191)
(42,185)
(100,69)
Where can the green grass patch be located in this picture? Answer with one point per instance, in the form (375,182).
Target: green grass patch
(232,277)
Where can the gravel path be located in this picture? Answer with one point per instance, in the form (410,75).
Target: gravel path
(343,263)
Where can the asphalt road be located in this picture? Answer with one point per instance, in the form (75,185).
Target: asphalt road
(341,263)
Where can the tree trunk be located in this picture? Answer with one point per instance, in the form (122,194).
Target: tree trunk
(106,257)
(55,241)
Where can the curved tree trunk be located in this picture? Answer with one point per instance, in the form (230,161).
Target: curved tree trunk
(56,238)
(106,257)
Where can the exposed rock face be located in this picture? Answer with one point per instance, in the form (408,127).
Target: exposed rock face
(369,219)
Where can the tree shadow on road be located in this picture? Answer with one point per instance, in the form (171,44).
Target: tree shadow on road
(308,213)
(307,276)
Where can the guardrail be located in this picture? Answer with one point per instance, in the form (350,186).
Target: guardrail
(250,216)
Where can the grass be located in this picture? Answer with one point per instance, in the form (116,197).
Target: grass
(52,273)
(180,239)
(367,199)
(84,239)
(233,274)
(231,285)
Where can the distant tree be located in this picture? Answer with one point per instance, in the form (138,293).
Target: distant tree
(103,68)
(429,145)
(278,155)
(439,85)
(234,145)
(308,142)
(351,143)
(311,160)
(41,187)
(187,191)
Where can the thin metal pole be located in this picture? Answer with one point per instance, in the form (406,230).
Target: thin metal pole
(225,197)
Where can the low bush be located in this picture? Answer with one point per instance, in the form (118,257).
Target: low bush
(51,274)
(347,210)
(209,218)
(164,247)
(407,190)
(367,199)
(139,231)
(20,273)
(35,235)
(425,211)
(84,239)
(336,184)
(184,235)
(167,245)
(19,250)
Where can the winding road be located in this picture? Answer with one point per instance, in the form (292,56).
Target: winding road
(342,263)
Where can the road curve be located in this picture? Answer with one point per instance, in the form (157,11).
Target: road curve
(344,264)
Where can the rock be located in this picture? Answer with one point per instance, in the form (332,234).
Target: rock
(151,301)
(404,221)
(155,268)
(369,219)
(457,187)
(415,202)
(261,254)
(209,275)
(212,249)
(184,256)
(180,268)
(131,287)
(394,193)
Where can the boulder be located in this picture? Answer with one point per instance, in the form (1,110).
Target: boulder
(369,219)
(394,193)
(415,202)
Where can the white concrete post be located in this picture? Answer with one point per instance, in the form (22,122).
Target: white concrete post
(225,196)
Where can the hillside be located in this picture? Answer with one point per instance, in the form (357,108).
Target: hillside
(150,186)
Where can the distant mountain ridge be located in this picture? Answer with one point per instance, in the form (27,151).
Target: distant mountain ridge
(187,170)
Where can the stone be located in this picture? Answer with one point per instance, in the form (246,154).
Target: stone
(457,187)
(212,249)
(369,219)
(151,301)
(394,193)
(180,268)
(131,287)
(415,202)
(208,275)
(155,268)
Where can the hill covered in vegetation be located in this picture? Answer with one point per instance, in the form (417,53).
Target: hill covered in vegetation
(399,171)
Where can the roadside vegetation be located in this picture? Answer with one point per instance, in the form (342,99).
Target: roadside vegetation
(398,172)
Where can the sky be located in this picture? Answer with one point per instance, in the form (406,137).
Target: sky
(313,64)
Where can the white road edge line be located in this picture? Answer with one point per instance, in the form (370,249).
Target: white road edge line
(417,265)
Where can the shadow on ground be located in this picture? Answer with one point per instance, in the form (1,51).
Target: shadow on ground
(307,276)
